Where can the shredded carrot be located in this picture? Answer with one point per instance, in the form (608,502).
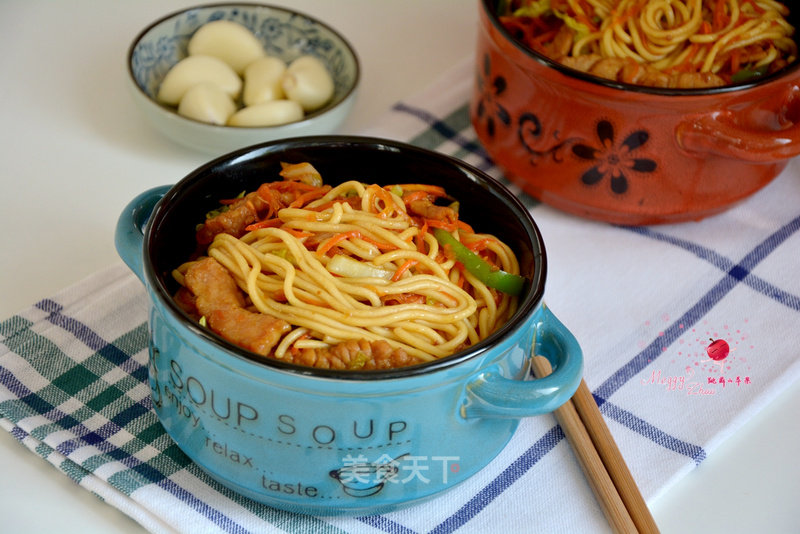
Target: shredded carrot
(408,198)
(686,64)
(434,190)
(309,196)
(585,6)
(736,58)
(403,268)
(266,223)
(299,234)
(292,186)
(461,278)
(622,18)
(266,194)
(720,19)
(335,240)
(380,244)
(386,198)
(433,223)
(465,227)
(449,226)
(478,244)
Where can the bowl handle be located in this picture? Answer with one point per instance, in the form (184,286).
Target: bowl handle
(129,235)
(728,133)
(492,395)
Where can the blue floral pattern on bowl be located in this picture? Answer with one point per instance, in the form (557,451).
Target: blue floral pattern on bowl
(285,34)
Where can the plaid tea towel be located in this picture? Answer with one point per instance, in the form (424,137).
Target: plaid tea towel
(643,302)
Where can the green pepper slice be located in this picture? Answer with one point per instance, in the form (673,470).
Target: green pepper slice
(495,278)
(745,75)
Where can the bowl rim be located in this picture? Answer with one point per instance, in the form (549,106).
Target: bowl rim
(224,127)
(487,8)
(534,289)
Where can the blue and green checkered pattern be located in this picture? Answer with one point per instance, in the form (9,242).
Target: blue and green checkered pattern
(642,302)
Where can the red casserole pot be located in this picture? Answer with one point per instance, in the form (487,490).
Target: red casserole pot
(628,154)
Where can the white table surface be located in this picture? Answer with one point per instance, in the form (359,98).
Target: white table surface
(73,152)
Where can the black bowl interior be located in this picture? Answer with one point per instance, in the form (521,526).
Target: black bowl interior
(490,7)
(484,203)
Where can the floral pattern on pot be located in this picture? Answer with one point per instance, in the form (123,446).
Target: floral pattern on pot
(622,154)
(607,160)
(614,160)
(489,107)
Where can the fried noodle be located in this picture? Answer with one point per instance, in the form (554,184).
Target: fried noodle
(714,42)
(410,293)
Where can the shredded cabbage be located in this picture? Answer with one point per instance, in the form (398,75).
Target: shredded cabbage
(348,267)
(539,8)
(533,9)
(580,29)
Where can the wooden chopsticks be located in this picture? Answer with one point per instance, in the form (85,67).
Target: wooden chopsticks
(600,459)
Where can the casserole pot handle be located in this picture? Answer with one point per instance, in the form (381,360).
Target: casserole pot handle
(129,235)
(492,395)
(728,134)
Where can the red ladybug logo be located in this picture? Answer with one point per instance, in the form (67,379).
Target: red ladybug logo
(718,350)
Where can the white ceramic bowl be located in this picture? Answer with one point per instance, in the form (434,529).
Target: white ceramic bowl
(285,33)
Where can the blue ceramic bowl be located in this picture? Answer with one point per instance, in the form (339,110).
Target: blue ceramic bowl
(325,441)
(285,33)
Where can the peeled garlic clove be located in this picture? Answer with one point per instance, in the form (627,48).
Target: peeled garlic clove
(229,41)
(193,70)
(262,80)
(270,113)
(308,82)
(206,102)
